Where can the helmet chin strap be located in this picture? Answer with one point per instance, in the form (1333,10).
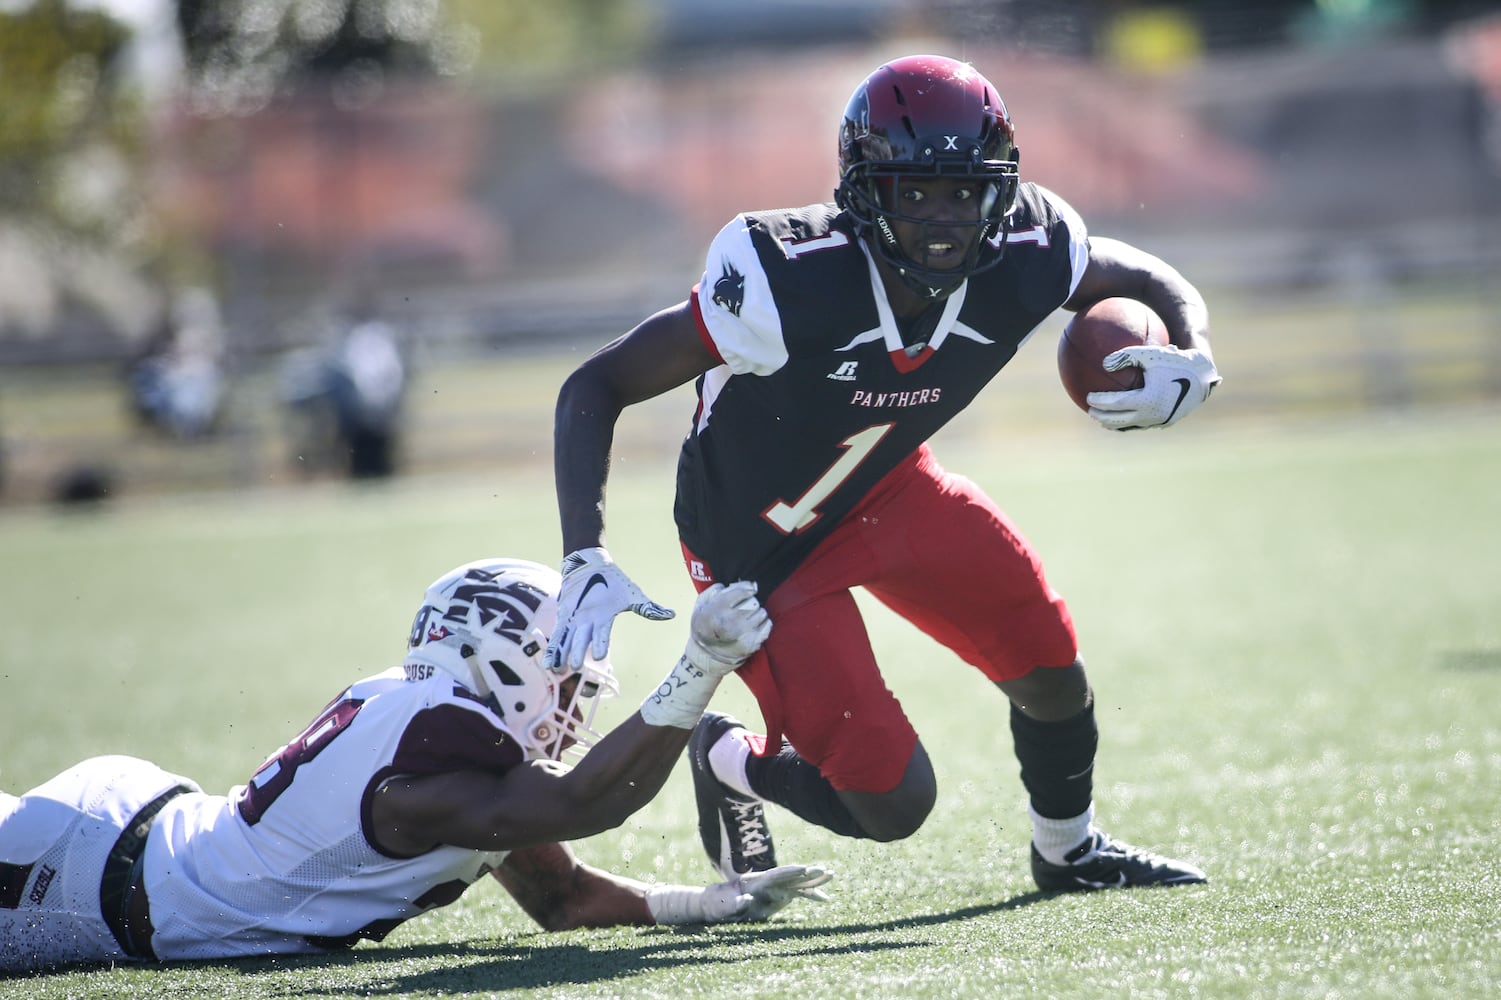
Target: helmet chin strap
(926,290)
(478,683)
(912,281)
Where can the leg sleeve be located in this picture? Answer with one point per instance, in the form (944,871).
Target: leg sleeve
(818,682)
(957,568)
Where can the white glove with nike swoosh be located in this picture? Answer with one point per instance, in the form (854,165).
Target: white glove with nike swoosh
(594,591)
(1177,381)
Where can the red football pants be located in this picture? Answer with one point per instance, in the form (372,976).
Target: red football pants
(935,549)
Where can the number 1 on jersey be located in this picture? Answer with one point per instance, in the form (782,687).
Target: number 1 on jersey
(803,511)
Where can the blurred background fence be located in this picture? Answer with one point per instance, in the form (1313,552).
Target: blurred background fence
(254,243)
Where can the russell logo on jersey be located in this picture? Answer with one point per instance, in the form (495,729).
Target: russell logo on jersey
(848,372)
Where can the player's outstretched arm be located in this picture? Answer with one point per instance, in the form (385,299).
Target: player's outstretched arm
(661,353)
(728,625)
(545,801)
(561,893)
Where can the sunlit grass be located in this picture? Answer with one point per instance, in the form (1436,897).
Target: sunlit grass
(1292,633)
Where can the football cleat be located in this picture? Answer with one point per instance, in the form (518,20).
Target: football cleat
(732,826)
(1102,862)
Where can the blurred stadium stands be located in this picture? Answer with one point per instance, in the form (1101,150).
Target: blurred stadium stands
(1338,202)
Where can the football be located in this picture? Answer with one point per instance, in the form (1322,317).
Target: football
(1106,326)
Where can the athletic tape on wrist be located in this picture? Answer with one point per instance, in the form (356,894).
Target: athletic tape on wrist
(686,904)
(675,904)
(681,697)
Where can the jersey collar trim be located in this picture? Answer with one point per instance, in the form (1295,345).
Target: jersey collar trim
(889,332)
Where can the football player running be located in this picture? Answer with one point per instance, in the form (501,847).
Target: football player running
(406,789)
(829,342)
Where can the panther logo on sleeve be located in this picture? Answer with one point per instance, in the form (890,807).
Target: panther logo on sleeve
(729,290)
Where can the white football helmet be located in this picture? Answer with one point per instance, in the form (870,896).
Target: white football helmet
(486,624)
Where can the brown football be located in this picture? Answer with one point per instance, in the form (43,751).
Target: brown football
(1104,327)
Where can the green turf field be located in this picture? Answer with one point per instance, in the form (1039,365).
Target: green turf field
(1294,636)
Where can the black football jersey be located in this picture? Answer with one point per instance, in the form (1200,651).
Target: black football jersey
(818,398)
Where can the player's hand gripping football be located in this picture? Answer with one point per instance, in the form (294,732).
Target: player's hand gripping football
(1177,381)
(594,591)
(728,625)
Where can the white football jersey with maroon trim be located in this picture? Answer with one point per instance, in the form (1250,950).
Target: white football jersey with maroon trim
(285,863)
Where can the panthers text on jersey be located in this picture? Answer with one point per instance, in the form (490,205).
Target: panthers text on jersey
(819,397)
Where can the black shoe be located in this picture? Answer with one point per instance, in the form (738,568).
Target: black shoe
(1102,862)
(732,826)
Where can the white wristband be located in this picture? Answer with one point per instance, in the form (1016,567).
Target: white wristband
(681,697)
(686,904)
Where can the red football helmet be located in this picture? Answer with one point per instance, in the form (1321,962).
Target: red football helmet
(927,116)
